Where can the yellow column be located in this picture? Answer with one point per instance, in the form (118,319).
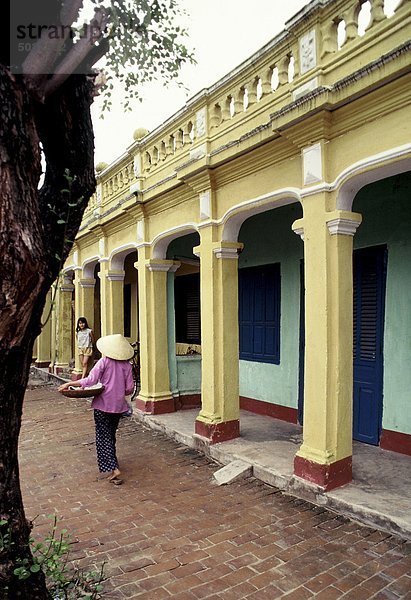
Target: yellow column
(104,298)
(116,293)
(64,325)
(44,339)
(84,307)
(325,457)
(53,349)
(112,303)
(219,418)
(155,395)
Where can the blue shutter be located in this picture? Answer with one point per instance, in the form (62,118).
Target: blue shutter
(259,313)
(369,294)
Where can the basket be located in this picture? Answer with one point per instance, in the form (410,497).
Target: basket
(78,392)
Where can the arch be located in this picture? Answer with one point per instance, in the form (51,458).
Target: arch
(235,216)
(373,168)
(68,274)
(70,270)
(118,255)
(88,267)
(160,242)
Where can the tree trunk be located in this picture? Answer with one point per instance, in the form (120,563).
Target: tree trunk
(37,229)
(14,368)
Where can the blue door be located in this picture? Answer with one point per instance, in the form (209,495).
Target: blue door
(369,302)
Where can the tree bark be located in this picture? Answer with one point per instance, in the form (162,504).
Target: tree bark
(37,229)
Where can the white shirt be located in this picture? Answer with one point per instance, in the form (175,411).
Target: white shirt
(84,338)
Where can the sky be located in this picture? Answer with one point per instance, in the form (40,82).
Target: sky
(223,33)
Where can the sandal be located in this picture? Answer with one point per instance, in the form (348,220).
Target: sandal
(116,480)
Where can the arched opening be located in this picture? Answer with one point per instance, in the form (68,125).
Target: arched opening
(130,298)
(123,274)
(382,314)
(97,302)
(269,313)
(184,321)
(90,285)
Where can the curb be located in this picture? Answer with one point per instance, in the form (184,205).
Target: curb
(291,485)
(44,375)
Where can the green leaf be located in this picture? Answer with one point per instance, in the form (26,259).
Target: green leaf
(35,568)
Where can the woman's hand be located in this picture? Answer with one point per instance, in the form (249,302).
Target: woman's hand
(66,385)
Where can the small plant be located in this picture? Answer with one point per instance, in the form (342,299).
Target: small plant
(5,535)
(64,581)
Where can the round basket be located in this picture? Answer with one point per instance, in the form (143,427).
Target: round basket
(78,392)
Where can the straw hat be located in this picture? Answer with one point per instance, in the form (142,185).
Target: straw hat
(115,346)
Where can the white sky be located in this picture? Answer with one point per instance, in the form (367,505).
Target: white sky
(223,34)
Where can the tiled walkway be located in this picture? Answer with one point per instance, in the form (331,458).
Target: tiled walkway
(170,532)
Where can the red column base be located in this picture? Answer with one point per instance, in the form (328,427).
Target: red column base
(155,407)
(219,432)
(58,370)
(327,477)
(396,441)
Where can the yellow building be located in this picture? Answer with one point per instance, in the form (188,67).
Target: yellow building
(242,241)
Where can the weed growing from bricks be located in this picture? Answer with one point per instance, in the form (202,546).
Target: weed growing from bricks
(51,555)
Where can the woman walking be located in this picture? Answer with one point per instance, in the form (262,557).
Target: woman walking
(114,372)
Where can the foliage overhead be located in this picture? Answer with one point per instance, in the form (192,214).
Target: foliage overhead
(140,40)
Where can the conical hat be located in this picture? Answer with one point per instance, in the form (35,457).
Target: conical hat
(115,346)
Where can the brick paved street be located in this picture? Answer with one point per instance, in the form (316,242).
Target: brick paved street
(170,532)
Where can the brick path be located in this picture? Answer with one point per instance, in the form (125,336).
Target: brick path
(169,532)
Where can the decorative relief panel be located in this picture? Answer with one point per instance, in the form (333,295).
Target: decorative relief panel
(99,194)
(198,152)
(308,54)
(312,164)
(102,246)
(201,122)
(140,231)
(306,88)
(205,205)
(137,166)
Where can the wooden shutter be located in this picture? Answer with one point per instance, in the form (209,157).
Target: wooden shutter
(365,309)
(187,309)
(259,313)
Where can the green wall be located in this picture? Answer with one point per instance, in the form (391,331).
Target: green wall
(268,238)
(171,335)
(182,247)
(185,371)
(189,374)
(386,210)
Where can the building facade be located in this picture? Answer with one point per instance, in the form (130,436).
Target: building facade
(258,244)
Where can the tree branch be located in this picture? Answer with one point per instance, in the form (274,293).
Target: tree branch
(42,56)
(79,52)
(41,59)
(70,11)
